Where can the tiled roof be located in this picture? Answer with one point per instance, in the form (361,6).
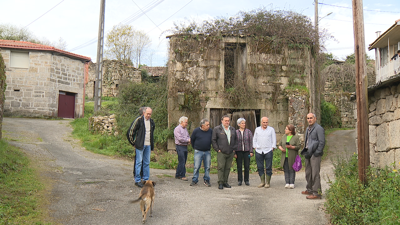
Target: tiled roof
(32,46)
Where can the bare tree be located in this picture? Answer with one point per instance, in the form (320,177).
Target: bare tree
(141,43)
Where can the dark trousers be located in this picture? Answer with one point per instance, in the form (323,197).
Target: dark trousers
(224,166)
(243,156)
(313,178)
(290,174)
(182,157)
(267,158)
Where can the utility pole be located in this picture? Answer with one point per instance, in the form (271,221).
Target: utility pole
(315,81)
(99,66)
(361,91)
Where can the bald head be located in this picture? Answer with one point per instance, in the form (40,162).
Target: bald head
(264,122)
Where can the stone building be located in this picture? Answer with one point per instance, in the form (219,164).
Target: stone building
(384,101)
(43,81)
(209,77)
(114,73)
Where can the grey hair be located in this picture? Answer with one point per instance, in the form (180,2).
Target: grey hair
(142,110)
(313,115)
(203,121)
(240,120)
(183,118)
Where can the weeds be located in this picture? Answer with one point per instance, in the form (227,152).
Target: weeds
(351,202)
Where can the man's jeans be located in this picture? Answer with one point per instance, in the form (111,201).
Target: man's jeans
(267,158)
(199,156)
(143,157)
(182,157)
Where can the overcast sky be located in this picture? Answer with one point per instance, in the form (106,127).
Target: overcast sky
(77,21)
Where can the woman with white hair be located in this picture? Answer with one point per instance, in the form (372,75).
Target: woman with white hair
(244,151)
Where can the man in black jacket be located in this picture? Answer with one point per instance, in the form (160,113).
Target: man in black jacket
(142,133)
(224,142)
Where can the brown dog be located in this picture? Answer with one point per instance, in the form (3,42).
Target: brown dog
(146,198)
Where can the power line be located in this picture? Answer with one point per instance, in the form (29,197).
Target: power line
(43,14)
(128,20)
(170,16)
(147,16)
(344,7)
(352,22)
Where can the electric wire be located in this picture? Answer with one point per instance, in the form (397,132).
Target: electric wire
(43,14)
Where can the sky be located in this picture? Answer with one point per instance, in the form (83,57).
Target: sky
(77,21)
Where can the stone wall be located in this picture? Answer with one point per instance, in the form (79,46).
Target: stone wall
(384,125)
(114,73)
(103,125)
(34,91)
(201,69)
(346,103)
(298,108)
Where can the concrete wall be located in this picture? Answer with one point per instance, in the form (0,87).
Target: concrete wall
(34,91)
(384,126)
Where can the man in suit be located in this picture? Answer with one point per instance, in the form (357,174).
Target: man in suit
(224,142)
(313,151)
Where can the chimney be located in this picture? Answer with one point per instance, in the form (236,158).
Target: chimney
(378,33)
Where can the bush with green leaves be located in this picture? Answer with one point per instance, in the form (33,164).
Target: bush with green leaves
(330,116)
(348,201)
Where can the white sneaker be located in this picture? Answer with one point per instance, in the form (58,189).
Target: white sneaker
(291,186)
(287,186)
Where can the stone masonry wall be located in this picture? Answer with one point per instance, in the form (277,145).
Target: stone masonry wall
(114,74)
(202,69)
(384,126)
(103,124)
(34,91)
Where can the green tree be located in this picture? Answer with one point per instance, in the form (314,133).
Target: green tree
(11,32)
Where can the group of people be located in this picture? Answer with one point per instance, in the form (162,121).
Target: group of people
(231,143)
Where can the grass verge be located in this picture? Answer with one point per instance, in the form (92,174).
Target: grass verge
(21,192)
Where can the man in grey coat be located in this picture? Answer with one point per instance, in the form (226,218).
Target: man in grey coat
(313,151)
(223,141)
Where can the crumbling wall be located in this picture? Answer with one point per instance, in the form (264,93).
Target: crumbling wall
(103,125)
(197,84)
(114,73)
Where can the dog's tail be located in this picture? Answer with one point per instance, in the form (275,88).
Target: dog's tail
(136,200)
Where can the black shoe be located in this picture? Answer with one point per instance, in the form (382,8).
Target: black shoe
(220,186)
(227,185)
(193,183)
(240,183)
(139,184)
(247,183)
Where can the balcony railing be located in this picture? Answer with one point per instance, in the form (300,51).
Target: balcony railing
(390,69)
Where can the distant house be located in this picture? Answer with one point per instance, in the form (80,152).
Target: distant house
(384,101)
(43,81)
(387,45)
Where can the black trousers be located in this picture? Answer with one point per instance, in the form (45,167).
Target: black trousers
(243,157)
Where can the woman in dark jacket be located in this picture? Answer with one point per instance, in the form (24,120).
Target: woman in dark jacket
(244,151)
(290,145)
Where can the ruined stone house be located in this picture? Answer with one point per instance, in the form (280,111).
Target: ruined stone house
(43,81)
(209,77)
(114,73)
(384,100)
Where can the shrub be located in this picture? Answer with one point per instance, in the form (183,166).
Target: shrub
(330,116)
(351,202)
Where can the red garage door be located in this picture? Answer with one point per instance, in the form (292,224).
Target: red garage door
(66,105)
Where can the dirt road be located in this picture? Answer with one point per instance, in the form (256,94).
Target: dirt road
(95,189)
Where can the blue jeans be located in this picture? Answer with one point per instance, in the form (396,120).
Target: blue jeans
(199,156)
(143,157)
(267,158)
(182,157)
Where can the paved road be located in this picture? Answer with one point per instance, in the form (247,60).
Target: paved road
(87,188)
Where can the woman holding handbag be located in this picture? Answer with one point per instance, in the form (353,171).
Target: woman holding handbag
(289,145)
